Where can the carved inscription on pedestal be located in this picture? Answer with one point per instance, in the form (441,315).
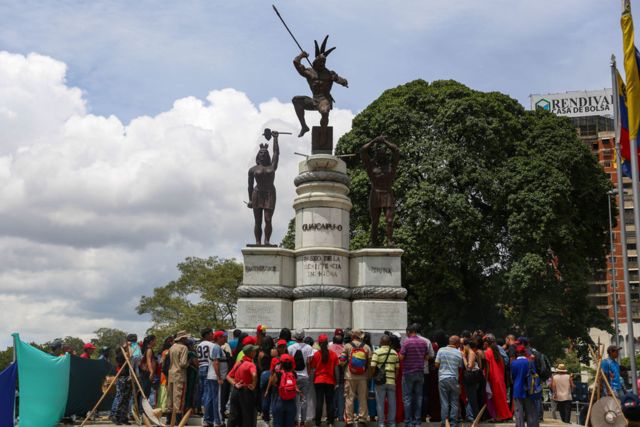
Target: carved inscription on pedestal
(323,269)
(260,268)
(322,266)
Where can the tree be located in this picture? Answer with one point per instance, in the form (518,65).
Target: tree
(109,337)
(6,357)
(289,239)
(203,296)
(501,211)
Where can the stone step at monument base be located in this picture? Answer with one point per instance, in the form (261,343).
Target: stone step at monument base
(379,315)
(321,314)
(275,313)
(545,423)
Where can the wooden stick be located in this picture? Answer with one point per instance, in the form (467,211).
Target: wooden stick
(133,373)
(596,385)
(173,418)
(477,420)
(185,418)
(90,414)
(134,408)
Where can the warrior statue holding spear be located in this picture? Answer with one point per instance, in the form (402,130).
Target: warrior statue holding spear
(320,80)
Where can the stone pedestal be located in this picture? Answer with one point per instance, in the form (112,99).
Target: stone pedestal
(267,288)
(376,316)
(321,285)
(376,267)
(322,140)
(321,315)
(275,313)
(322,203)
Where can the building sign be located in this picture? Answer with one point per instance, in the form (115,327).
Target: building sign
(576,103)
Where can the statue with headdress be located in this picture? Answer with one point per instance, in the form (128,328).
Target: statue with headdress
(262,191)
(320,80)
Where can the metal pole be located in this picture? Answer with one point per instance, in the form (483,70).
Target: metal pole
(631,345)
(614,283)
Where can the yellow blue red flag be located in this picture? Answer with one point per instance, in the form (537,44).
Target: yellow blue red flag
(631,70)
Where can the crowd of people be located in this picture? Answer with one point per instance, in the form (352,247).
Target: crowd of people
(293,378)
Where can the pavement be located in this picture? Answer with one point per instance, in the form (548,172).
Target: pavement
(197,421)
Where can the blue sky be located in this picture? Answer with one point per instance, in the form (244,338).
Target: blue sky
(136,58)
(128,126)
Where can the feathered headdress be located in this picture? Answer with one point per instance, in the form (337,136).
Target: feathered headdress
(322,49)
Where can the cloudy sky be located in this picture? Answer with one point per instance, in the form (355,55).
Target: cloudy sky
(126,128)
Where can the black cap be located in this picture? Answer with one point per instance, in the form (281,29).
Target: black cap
(132,338)
(613,348)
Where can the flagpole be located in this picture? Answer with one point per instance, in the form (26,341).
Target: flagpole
(631,347)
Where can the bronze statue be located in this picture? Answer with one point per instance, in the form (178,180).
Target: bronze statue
(381,172)
(262,197)
(320,80)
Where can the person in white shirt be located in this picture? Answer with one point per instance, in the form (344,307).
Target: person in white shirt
(203,350)
(215,378)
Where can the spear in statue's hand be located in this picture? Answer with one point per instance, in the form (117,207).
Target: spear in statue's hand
(290,33)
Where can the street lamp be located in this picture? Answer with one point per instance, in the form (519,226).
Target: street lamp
(614,283)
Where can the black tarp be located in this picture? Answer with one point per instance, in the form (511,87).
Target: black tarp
(85,384)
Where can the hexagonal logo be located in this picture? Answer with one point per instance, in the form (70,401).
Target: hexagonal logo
(543,104)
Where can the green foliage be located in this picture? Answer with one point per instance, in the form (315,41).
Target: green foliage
(203,296)
(289,239)
(571,361)
(6,357)
(484,190)
(108,337)
(72,344)
(624,362)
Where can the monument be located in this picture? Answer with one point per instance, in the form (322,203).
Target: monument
(321,285)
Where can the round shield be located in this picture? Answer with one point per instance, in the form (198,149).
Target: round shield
(606,413)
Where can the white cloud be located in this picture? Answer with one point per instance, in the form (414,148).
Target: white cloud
(95,213)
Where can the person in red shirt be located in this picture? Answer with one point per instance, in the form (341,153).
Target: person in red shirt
(244,379)
(324,364)
(88,350)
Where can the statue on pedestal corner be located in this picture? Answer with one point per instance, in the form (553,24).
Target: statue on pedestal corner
(382,172)
(262,196)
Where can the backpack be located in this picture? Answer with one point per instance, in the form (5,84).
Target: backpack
(358,360)
(543,365)
(298,358)
(287,385)
(534,384)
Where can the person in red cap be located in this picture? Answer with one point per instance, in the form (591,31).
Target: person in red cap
(324,364)
(244,379)
(284,406)
(88,350)
(248,340)
(337,346)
